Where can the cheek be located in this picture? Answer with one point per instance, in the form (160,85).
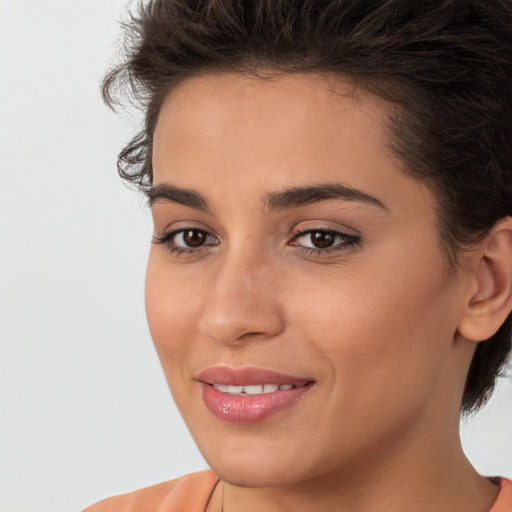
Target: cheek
(386,331)
(171,308)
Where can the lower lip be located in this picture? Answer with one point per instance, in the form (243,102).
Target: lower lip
(249,408)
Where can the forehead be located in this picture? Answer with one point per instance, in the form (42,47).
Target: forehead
(284,103)
(222,131)
(301,88)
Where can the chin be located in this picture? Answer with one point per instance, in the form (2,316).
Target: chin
(254,475)
(260,466)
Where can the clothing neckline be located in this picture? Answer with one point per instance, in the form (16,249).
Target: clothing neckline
(503,502)
(211,494)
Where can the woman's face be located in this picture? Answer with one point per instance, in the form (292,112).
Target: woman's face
(294,252)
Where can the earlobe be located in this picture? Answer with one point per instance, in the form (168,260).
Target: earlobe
(489,306)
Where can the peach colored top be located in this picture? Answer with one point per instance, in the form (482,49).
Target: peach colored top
(504,501)
(191,493)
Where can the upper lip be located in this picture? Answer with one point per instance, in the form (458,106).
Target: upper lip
(247,376)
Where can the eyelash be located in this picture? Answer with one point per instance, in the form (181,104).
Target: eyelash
(347,241)
(166,238)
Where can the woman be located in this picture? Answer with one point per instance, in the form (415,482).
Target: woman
(330,280)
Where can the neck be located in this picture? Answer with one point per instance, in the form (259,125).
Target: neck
(428,480)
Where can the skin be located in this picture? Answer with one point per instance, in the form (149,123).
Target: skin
(374,322)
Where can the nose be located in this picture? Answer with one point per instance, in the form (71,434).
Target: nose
(242,303)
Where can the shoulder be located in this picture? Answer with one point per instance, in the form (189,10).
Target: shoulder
(504,501)
(186,493)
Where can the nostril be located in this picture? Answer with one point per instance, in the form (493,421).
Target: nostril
(223,338)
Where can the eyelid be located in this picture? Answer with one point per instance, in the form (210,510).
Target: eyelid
(163,225)
(323,225)
(342,234)
(167,235)
(349,240)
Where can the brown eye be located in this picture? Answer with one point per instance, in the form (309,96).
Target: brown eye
(186,240)
(193,237)
(322,239)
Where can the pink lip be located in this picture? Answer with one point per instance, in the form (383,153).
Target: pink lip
(247,376)
(249,408)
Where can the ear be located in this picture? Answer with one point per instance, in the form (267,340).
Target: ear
(490,299)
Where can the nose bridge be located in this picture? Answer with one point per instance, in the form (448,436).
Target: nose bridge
(242,298)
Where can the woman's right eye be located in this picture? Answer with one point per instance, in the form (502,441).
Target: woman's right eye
(187,240)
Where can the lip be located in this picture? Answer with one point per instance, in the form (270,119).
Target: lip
(248,376)
(249,408)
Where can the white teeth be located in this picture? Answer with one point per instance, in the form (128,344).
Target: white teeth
(255,389)
(235,390)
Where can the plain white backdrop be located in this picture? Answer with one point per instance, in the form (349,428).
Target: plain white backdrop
(85,411)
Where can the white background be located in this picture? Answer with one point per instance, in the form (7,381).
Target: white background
(84,408)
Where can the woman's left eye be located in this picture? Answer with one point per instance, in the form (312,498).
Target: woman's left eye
(324,240)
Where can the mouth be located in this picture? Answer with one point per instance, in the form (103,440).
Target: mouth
(254,389)
(248,395)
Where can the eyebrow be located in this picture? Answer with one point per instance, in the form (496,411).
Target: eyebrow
(300,196)
(184,196)
(289,198)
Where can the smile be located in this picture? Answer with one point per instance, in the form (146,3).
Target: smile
(256,389)
(248,395)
